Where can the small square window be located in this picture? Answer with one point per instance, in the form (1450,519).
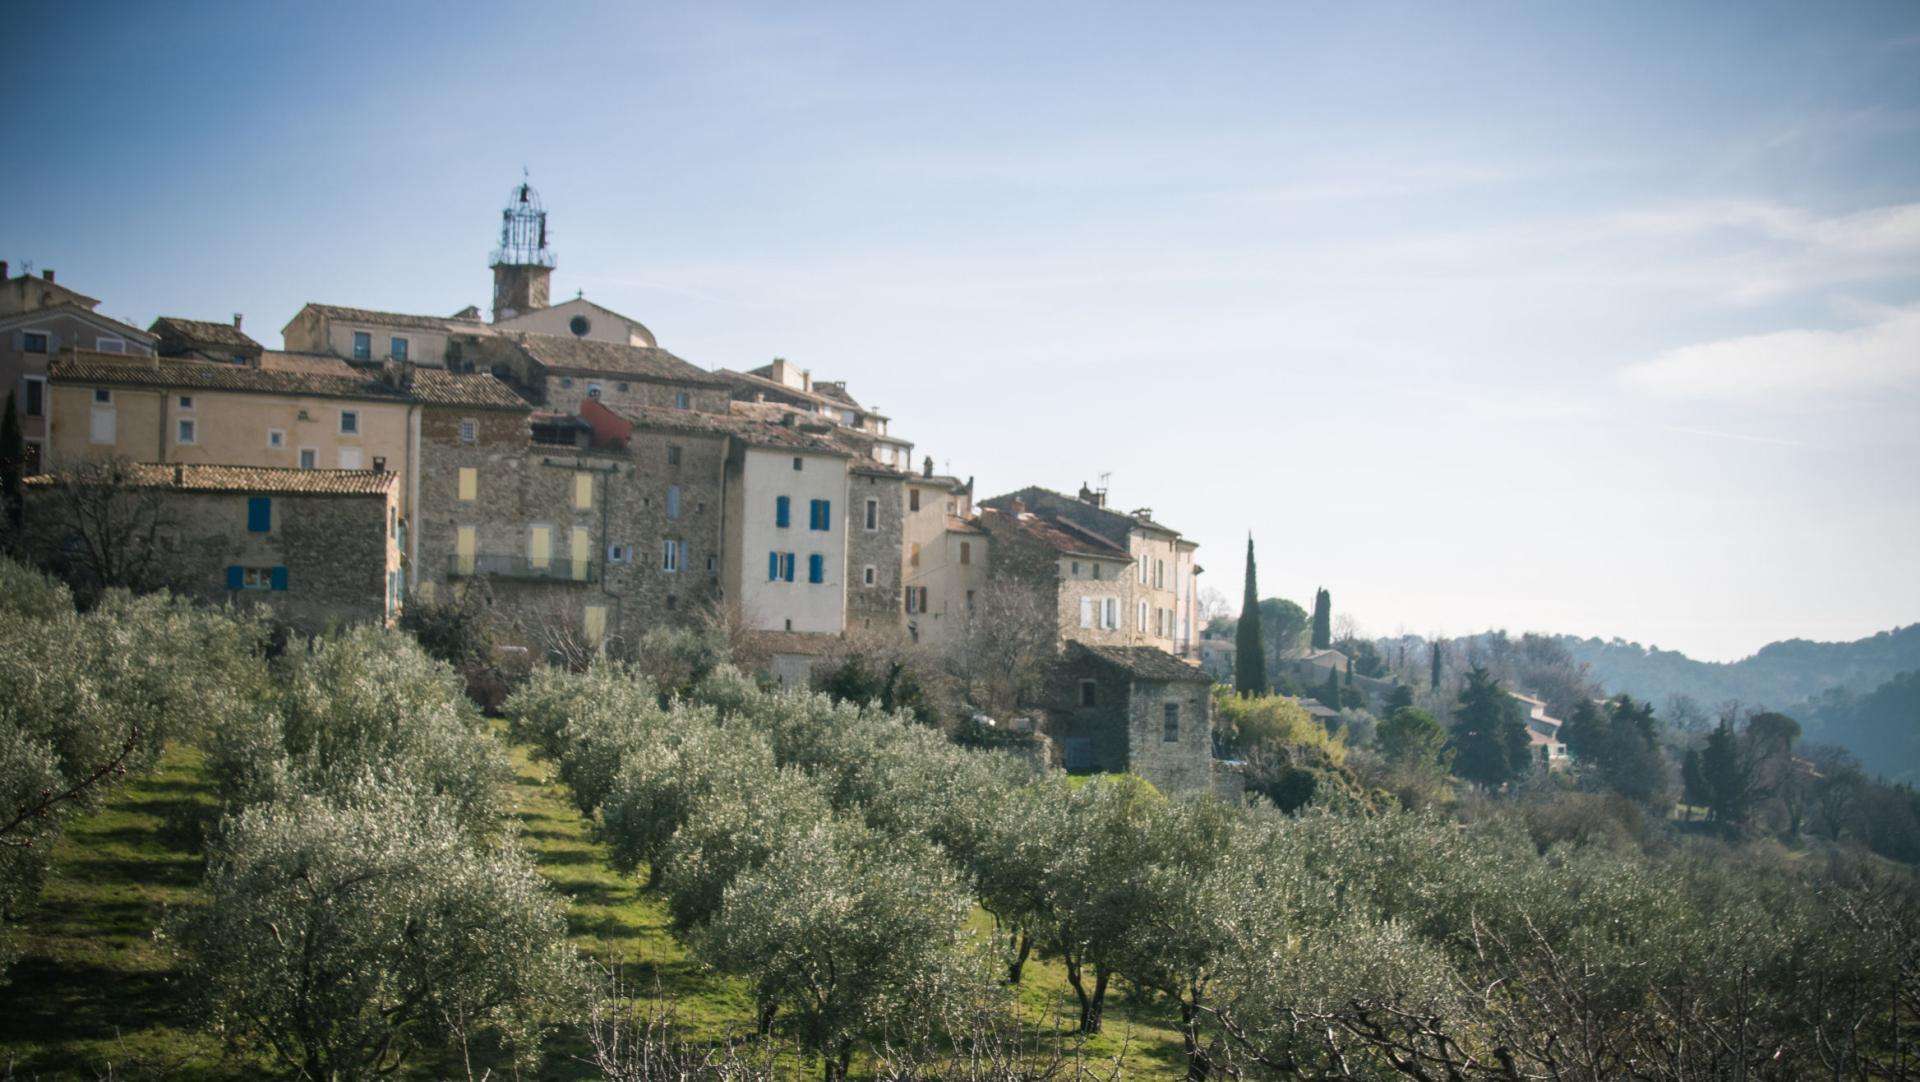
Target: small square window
(397,348)
(673,454)
(682,401)
(102,395)
(34,342)
(184,432)
(593,390)
(309,458)
(469,430)
(362,346)
(566,381)
(349,422)
(186,401)
(622,387)
(798,462)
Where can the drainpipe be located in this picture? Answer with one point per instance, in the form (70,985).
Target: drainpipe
(412,555)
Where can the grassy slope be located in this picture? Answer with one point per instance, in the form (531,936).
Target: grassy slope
(94,990)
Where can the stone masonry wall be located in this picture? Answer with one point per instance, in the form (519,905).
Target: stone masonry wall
(1184,765)
(881,605)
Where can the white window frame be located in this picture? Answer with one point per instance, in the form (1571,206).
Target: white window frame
(109,343)
(345,430)
(873,515)
(186,431)
(469,430)
(1110,613)
(46,341)
(869,575)
(405,352)
(102,396)
(1143,618)
(309,458)
(183,402)
(353,345)
(672,553)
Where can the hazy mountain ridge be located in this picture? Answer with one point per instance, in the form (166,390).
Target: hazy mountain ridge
(1780,675)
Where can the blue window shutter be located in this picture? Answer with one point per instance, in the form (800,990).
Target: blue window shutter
(260,514)
(773,566)
(782,511)
(235,577)
(826,514)
(816,568)
(786,566)
(279,578)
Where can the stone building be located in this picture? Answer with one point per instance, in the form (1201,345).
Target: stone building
(1079,576)
(560,373)
(40,319)
(317,547)
(1159,604)
(369,336)
(1132,709)
(787,386)
(875,509)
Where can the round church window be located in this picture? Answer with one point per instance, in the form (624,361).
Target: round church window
(579,325)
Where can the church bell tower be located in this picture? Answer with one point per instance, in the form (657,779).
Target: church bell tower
(523,263)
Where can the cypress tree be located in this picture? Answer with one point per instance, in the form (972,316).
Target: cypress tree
(1331,693)
(13,461)
(1322,619)
(1436,663)
(1349,672)
(1249,651)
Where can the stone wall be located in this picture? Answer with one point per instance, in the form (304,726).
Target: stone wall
(1102,726)
(1183,765)
(878,605)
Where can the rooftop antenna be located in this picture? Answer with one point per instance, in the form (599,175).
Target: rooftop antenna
(1105,479)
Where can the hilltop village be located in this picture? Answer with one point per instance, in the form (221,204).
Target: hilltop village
(599,486)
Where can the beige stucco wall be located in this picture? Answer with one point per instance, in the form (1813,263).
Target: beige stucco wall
(603,326)
(231,429)
(952,567)
(756,479)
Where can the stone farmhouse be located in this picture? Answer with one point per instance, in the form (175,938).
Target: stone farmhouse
(600,486)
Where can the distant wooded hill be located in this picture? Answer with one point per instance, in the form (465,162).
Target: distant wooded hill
(1780,676)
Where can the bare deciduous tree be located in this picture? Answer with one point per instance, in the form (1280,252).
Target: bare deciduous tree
(1000,654)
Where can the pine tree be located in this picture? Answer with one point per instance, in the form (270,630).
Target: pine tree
(1249,652)
(13,461)
(1322,620)
(1490,745)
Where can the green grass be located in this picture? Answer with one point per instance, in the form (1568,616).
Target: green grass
(94,991)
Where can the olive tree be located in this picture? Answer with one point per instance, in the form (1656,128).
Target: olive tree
(349,934)
(848,936)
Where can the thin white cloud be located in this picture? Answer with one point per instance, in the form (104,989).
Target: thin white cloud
(1877,356)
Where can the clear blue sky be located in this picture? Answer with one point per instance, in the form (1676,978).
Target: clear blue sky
(1596,319)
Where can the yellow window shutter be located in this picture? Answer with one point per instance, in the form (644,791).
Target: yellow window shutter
(583,491)
(579,545)
(540,547)
(465,543)
(595,624)
(469,483)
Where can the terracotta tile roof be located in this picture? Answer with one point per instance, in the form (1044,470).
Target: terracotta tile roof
(312,364)
(32,315)
(749,430)
(384,319)
(956,524)
(611,358)
(1038,529)
(751,383)
(188,477)
(202,333)
(1145,662)
(174,372)
(479,390)
(1113,524)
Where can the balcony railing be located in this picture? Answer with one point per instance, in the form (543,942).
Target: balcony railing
(522,567)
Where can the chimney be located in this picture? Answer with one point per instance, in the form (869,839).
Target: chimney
(379,463)
(806,380)
(237,317)
(47,274)
(1017,507)
(926,467)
